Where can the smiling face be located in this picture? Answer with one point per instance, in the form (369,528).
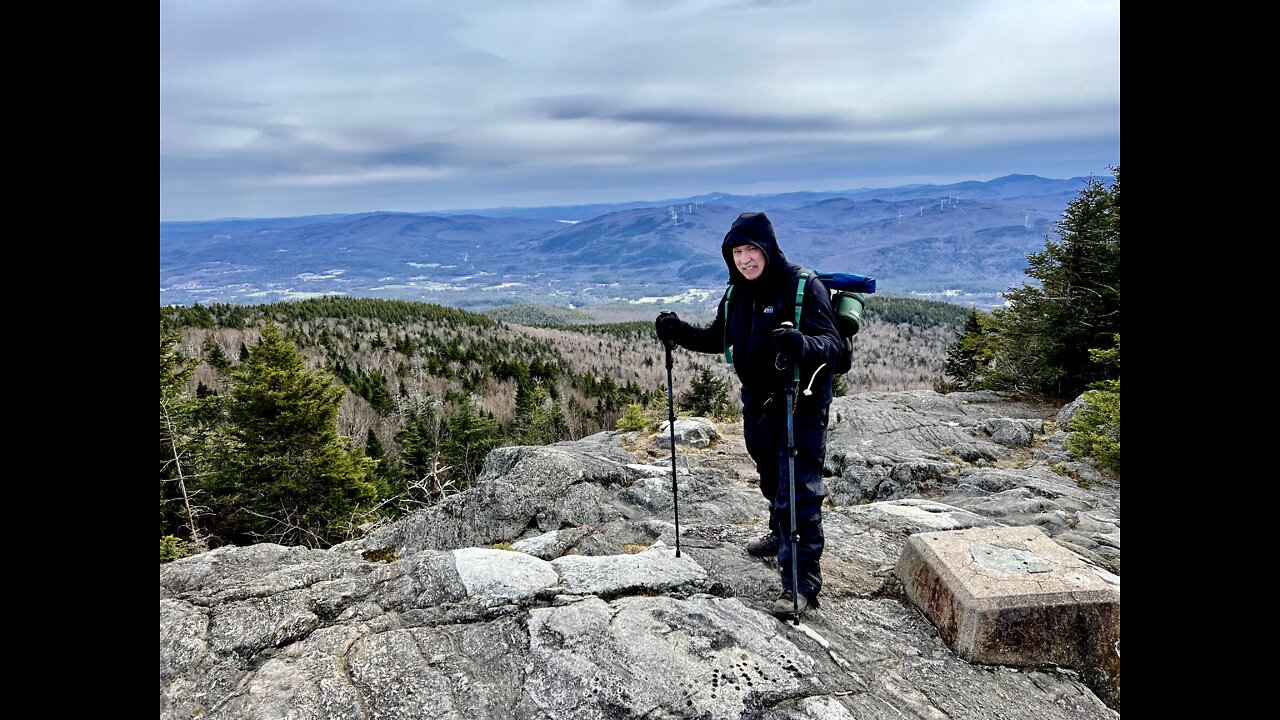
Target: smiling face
(749,260)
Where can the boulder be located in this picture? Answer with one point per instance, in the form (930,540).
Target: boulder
(697,432)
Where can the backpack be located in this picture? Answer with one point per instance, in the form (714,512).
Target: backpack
(848,300)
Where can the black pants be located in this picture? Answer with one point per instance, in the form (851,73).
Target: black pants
(765,430)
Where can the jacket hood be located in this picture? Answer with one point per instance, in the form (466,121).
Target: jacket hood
(754,228)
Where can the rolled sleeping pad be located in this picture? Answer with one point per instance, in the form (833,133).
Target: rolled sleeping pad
(849,282)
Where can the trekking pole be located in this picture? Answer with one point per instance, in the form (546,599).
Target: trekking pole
(794,538)
(671,422)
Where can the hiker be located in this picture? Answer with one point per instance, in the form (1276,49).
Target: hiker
(760,298)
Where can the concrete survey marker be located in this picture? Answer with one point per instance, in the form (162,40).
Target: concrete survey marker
(1012,596)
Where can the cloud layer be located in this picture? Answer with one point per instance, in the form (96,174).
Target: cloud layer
(290,108)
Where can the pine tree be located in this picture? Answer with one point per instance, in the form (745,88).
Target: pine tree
(383,475)
(634,419)
(969,358)
(1095,429)
(1048,329)
(539,419)
(284,474)
(419,463)
(373,446)
(708,395)
(379,396)
(470,437)
(214,355)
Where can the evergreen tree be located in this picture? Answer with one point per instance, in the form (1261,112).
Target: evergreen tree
(214,355)
(708,395)
(419,463)
(1049,329)
(206,411)
(539,419)
(284,474)
(968,360)
(469,439)
(405,345)
(1095,429)
(383,475)
(377,393)
(634,418)
(373,446)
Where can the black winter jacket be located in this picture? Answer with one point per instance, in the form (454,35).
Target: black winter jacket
(758,306)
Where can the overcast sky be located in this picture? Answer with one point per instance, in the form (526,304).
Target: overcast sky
(281,108)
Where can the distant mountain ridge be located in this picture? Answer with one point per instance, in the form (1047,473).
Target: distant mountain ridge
(1008,187)
(968,240)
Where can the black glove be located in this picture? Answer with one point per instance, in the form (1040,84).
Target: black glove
(668,326)
(789,342)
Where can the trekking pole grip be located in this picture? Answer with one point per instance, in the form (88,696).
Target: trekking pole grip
(667,343)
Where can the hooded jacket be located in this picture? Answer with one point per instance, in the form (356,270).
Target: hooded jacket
(757,307)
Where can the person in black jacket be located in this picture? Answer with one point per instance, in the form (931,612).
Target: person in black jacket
(760,298)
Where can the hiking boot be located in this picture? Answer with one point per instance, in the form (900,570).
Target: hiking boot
(783,607)
(764,546)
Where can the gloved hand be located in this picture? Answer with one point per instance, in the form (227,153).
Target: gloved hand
(789,343)
(668,326)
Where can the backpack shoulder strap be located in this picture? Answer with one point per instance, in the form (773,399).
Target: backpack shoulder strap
(728,351)
(804,278)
